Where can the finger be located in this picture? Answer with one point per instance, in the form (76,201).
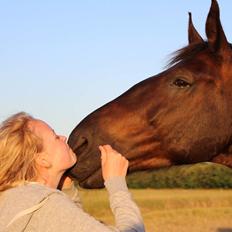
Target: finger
(108,148)
(103,148)
(103,155)
(112,152)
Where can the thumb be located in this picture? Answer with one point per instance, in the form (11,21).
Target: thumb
(103,155)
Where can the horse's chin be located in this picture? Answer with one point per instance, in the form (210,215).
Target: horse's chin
(94,181)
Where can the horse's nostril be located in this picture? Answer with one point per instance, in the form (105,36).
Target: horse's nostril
(81,146)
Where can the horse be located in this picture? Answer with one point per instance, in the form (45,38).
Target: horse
(182,115)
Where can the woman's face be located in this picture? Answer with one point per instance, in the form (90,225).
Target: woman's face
(55,149)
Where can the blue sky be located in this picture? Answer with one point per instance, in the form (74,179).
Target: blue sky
(60,60)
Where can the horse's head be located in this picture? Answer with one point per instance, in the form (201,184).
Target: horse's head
(182,115)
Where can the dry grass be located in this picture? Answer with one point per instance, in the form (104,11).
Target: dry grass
(171,210)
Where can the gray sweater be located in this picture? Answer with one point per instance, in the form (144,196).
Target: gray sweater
(40,208)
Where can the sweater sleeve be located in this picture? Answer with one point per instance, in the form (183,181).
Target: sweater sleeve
(62,214)
(127,214)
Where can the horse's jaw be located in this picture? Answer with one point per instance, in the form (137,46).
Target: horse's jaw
(94,181)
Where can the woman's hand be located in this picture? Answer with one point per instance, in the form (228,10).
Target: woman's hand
(113,163)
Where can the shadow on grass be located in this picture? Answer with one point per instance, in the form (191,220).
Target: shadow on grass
(224,230)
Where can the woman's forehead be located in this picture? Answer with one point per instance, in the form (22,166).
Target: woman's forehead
(40,127)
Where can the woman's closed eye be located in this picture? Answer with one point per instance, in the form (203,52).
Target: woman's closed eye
(57,137)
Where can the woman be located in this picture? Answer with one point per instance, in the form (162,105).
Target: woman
(33,159)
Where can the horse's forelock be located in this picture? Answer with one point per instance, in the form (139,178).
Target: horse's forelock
(186,53)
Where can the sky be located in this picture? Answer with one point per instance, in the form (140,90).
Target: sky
(61,60)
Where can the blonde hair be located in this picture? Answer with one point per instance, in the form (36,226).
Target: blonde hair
(18,149)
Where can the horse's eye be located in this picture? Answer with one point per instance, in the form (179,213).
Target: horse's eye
(181,83)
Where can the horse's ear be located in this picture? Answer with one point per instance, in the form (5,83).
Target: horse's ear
(216,37)
(193,35)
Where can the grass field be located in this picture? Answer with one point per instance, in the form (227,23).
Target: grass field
(171,210)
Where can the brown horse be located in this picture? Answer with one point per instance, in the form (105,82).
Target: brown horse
(180,116)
